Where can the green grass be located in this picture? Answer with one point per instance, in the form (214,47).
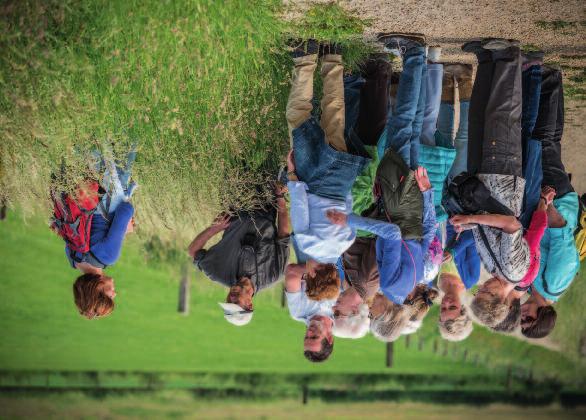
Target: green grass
(183,405)
(42,331)
(201,86)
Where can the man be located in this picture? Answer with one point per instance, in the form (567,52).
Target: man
(360,284)
(318,342)
(321,167)
(559,257)
(250,257)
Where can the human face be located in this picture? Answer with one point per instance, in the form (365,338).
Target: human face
(450,307)
(241,294)
(319,327)
(108,287)
(529,313)
(348,303)
(493,287)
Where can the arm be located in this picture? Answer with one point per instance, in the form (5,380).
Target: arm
(293,274)
(555,219)
(299,206)
(508,224)
(221,223)
(283,225)
(536,229)
(379,228)
(111,245)
(429,220)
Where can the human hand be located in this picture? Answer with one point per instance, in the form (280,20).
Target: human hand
(422,179)
(460,219)
(290,161)
(130,226)
(548,193)
(221,222)
(280,189)
(337,217)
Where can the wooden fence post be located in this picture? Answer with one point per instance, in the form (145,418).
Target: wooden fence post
(435,346)
(389,355)
(465,355)
(283,297)
(184,291)
(305,391)
(420,344)
(407,340)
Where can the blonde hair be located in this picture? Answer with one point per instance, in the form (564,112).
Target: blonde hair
(390,324)
(456,329)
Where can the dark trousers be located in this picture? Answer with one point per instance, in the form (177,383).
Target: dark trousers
(494,121)
(549,128)
(374,101)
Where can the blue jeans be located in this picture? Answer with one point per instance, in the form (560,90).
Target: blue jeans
(352,86)
(445,126)
(115,180)
(405,124)
(433,96)
(532,159)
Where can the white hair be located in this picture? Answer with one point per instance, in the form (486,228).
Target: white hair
(412,326)
(353,326)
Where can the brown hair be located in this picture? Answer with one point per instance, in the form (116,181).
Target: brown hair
(456,329)
(323,354)
(421,301)
(325,284)
(543,325)
(512,320)
(89,298)
(490,310)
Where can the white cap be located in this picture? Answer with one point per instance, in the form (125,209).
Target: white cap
(235,314)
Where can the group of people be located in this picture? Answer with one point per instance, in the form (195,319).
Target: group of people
(408,178)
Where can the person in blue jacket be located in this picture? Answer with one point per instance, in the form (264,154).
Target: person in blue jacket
(94,291)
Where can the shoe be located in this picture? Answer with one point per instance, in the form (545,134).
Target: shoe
(282,176)
(330,48)
(434,53)
(461,74)
(376,65)
(473,46)
(532,58)
(496,44)
(301,48)
(401,41)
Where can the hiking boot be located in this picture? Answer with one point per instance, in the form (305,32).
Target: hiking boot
(473,46)
(300,48)
(282,176)
(377,65)
(434,53)
(402,42)
(497,44)
(532,57)
(330,48)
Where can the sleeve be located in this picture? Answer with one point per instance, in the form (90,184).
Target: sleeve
(282,250)
(379,228)
(110,246)
(536,230)
(296,303)
(429,220)
(299,206)
(199,257)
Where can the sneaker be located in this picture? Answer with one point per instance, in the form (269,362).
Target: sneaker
(532,58)
(434,53)
(496,44)
(328,48)
(300,48)
(401,41)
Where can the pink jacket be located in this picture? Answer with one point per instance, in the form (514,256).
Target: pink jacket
(533,237)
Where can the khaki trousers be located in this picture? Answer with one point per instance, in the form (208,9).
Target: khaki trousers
(299,105)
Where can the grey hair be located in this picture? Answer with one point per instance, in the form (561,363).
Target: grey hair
(456,329)
(353,326)
(390,324)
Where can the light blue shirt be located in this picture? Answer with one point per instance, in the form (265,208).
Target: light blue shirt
(315,236)
(559,257)
(302,309)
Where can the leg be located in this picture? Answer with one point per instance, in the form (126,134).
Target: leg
(549,128)
(332,103)
(478,102)
(531,92)
(418,121)
(374,101)
(299,104)
(352,91)
(400,124)
(461,143)
(502,144)
(432,103)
